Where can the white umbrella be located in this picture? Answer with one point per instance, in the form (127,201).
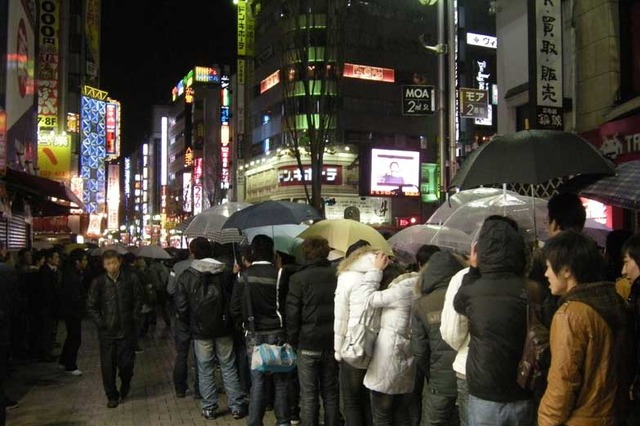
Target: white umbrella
(153,252)
(407,242)
(118,248)
(212,219)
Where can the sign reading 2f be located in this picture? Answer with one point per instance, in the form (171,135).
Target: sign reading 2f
(418,100)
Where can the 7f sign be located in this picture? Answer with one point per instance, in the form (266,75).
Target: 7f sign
(418,100)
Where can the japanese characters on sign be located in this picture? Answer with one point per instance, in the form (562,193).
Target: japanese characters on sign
(549,64)
(418,100)
(474,103)
(290,175)
(48,65)
(482,40)
(482,79)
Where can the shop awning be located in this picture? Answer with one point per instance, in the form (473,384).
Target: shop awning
(40,187)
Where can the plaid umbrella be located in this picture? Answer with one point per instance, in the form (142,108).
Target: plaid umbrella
(225,236)
(620,190)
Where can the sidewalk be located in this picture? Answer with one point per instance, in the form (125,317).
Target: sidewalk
(47,397)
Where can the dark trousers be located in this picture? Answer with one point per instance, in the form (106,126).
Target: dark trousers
(391,410)
(162,306)
(355,397)
(318,375)
(116,355)
(184,344)
(440,410)
(69,355)
(4,355)
(242,363)
(46,336)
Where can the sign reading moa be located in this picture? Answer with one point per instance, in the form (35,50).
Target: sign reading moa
(418,100)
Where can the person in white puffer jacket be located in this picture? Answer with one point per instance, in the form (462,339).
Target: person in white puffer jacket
(391,373)
(359,275)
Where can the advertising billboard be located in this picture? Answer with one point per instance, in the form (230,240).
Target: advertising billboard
(395,172)
(113,197)
(93,153)
(48,65)
(110,139)
(92,33)
(54,155)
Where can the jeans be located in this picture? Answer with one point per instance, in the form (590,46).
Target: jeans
(206,352)
(183,343)
(463,401)
(392,410)
(355,397)
(257,400)
(69,355)
(439,410)
(490,413)
(116,354)
(318,375)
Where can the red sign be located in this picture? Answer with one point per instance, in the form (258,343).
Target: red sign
(618,140)
(3,143)
(197,170)
(290,175)
(367,72)
(111,129)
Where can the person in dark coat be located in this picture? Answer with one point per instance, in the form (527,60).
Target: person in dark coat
(493,298)
(433,356)
(72,302)
(309,323)
(114,303)
(631,271)
(8,283)
(50,281)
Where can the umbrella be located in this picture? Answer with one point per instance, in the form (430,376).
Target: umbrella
(531,157)
(272,213)
(407,242)
(620,190)
(212,219)
(225,236)
(341,233)
(458,199)
(153,252)
(118,248)
(597,231)
(284,236)
(71,247)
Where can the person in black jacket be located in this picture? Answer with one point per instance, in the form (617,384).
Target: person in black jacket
(493,298)
(72,308)
(266,326)
(114,303)
(631,271)
(49,284)
(202,301)
(310,331)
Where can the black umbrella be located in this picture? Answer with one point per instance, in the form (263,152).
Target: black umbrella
(620,190)
(271,213)
(533,157)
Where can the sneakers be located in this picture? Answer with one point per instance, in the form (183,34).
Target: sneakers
(112,403)
(75,372)
(237,415)
(295,420)
(125,388)
(210,414)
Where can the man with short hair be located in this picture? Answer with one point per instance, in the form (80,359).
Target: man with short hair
(202,302)
(565,212)
(266,326)
(587,381)
(631,271)
(114,303)
(48,309)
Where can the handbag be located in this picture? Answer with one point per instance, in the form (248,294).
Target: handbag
(269,357)
(536,354)
(357,350)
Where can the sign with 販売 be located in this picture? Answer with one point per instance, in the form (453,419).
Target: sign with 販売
(474,103)
(418,100)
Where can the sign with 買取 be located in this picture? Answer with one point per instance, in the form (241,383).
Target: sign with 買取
(474,103)
(418,100)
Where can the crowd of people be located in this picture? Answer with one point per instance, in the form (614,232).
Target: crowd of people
(452,331)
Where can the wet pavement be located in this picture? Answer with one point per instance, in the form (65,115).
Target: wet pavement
(48,397)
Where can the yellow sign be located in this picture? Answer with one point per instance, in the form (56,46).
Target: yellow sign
(54,156)
(188,157)
(242,28)
(241,71)
(92,92)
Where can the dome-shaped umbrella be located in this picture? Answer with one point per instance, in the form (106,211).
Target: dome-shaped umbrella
(407,242)
(212,219)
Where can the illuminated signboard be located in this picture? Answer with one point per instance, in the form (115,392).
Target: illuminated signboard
(290,175)
(225,138)
(73,122)
(188,79)
(54,155)
(224,115)
(77,186)
(164,150)
(270,81)
(48,64)
(186,192)
(3,143)
(113,196)
(482,40)
(367,72)
(111,129)
(188,157)
(197,199)
(393,170)
(92,152)
(127,176)
(207,75)
(189,93)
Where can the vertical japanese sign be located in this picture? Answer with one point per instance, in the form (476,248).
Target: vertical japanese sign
(3,142)
(548,64)
(242,28)
(197,186)
(48,65)
(111,129)
(92,33)
(113,196)
(225,137)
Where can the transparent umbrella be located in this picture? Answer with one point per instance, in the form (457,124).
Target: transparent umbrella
(407,242)
(461,198)
(212,219)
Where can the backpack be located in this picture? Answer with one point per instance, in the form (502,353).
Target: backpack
(211,315)
(536,354)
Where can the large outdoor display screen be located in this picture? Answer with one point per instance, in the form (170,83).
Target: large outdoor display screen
(395,172)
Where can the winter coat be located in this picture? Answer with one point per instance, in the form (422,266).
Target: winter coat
(176,271)
(454,327)
(8,289)
(587,381)
(191,293)
(357,279)
(433,355)
(159,275)
(495,303)
(392,368)
(633,301)
(48,295)
(267,301)
(72,301)
(115,306)
(310,306)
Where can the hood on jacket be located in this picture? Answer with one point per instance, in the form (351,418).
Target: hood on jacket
(361,260)
(208,266)
(603,298)
(410,280)
(438,271)
(501,248)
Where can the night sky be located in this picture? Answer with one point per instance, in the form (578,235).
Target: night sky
(148,46)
